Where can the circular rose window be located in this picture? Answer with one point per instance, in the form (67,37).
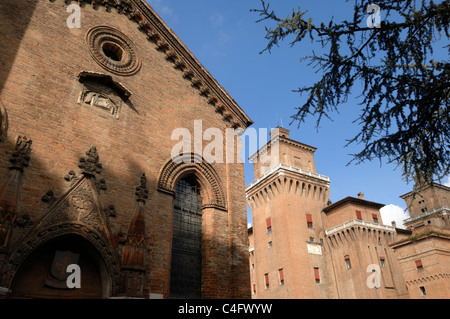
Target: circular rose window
(113,50)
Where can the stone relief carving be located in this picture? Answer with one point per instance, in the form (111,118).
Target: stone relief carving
(102,92)
(101,96)
(21,155)
(82,205)
(10,190)
(77,211)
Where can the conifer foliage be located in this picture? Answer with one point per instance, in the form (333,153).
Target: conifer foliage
(402,66)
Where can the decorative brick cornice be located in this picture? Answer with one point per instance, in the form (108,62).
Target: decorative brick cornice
(430,277)
(358,224)
(156,30)
(282,169)
(183,60)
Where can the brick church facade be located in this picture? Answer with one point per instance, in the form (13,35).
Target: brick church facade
(302,246)
(87,176)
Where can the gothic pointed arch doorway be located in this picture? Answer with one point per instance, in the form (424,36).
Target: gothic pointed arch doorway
(43,273)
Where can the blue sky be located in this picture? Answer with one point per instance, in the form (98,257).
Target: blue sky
(226,39)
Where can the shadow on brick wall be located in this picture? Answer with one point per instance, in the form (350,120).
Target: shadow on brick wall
(15,16)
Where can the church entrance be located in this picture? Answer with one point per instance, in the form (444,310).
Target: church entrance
(44,274)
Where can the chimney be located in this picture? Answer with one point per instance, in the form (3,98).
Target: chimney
(361,195)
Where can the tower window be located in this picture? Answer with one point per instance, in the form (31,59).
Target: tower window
(281,276)
(347,262)
(316,275)
(419,264)
(358,215)
(423,291)
(269,225)
(375,218)
(266,280)
(309,220)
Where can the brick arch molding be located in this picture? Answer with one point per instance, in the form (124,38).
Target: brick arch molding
(193,164)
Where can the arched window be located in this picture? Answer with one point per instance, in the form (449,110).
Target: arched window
(186,265)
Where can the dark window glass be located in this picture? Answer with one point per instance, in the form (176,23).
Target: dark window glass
(186,265)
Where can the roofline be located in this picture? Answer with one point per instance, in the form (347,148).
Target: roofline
(158,32)
(207,80)
(403,231)
(285,140)
(352,200)
(425,187)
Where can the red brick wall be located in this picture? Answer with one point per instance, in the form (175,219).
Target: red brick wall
(40,95)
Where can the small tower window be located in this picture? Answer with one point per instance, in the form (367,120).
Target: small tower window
(419,264)
(375,218)
(423,291)
(281,276)
(316,275)
(348,262)
(269,225)
(382,262)
(358,215)
(309,220)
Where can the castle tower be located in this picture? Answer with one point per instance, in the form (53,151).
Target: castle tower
(424,255)
(304,246)
(357,243)
(286,243)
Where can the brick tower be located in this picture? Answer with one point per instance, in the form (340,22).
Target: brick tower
(304,246)
(424,254)
(286,200)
